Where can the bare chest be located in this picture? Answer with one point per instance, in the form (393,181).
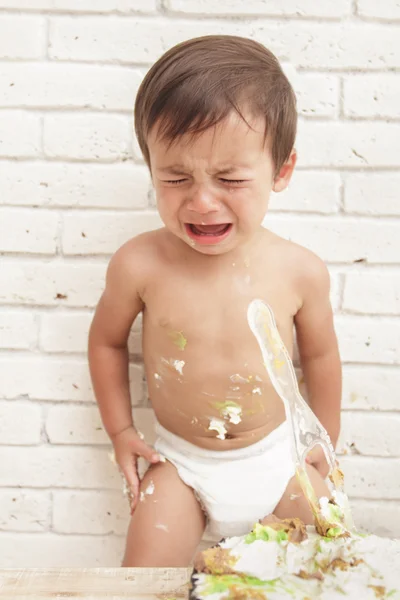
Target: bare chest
(207,312)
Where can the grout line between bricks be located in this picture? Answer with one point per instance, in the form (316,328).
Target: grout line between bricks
(164,11)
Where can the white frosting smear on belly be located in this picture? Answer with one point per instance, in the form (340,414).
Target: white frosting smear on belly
(219,426)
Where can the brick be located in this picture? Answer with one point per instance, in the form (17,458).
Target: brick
(19,134)
(45,379)
(24,510)
(74,185)
(20,423)
(127,40)
(104,233)
(317,95)
(375,478)
(25,230)
(101,6)
(18,330)
(374,434)
(345,45)
(372,193)
(58,466)
(293,8)
(88,137)
(309,191)
(60,551)
(95,38)
(303,44)
(56,380)
(367,340)
(339,240)
(370,388)
(52,283)
(373,96)
(121,6)
(348,144)
(22,37)
(378,517)
(372,293)
(64,332)
(385,10)
(84,512)
(68,86)
(66,424)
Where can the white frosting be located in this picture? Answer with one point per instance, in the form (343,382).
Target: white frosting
(147,492)
(150,488)
(178,365)
(236,378)
(219,426)
(233,413)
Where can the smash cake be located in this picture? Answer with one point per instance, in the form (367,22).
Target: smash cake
(286,559)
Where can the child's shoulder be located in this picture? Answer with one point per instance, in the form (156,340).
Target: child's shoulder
(306,267)
(147,244)
(139,253)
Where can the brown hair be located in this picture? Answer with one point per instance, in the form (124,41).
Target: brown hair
(197,83)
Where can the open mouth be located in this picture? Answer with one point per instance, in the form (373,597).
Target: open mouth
(208,234)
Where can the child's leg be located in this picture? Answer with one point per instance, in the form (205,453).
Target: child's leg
(167,526)
(293,502)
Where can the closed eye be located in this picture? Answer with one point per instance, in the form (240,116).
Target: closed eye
(175,181)
(233,180)
(228,181)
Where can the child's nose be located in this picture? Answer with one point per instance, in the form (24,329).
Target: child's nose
(202,200)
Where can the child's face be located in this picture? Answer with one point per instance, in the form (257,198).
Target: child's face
(213,190)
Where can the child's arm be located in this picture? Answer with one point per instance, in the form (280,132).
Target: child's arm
(109,361)
(108,351)
(318,349)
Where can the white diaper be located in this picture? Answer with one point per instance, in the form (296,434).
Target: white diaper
(235,487)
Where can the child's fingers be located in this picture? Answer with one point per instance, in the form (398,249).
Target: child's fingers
(147,452)
(132,481)
(133,499)
(133,495)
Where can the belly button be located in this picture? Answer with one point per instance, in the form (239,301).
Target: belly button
(229,436)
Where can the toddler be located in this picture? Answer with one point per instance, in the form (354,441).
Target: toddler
(215,118)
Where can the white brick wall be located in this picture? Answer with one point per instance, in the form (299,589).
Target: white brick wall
(73,188)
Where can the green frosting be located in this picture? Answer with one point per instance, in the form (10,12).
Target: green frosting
(226,404)
(216,584)
(335,513)
(334,532)
(266,534)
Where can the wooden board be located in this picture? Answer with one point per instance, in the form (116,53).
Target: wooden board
(93,583)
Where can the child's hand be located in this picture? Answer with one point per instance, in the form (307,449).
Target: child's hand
(128,446)
(317,459)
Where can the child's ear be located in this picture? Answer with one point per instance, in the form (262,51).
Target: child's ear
(282,179)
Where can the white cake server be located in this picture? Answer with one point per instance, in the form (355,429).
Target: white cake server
(306,430)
